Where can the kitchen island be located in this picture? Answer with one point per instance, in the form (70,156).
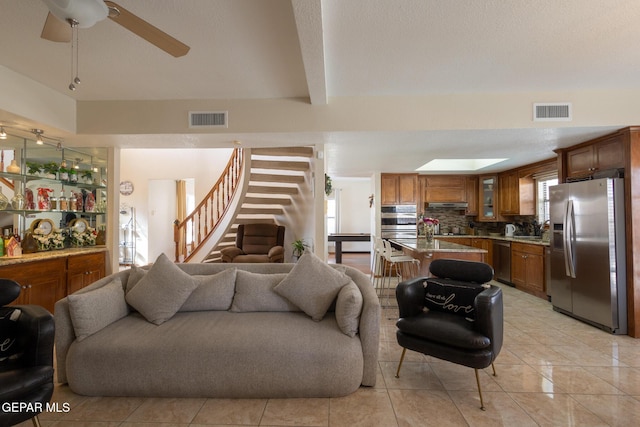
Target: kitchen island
(425,251)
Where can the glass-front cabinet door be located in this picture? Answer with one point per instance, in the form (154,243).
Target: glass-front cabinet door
(54,193)
(488,193)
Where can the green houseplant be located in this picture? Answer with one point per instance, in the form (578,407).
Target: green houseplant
(50,169)
(328,185)
(33,168)
(299,246)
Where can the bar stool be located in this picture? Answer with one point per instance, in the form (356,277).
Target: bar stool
(406,267)
(378,262)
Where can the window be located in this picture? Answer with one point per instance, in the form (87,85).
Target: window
(543,197)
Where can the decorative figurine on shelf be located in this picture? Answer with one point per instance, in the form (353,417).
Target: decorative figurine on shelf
(429,227)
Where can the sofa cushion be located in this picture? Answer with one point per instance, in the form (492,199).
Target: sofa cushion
(92,311)
(452,296)
(312,285)
(348,308)
(162,291)
(444,328)
(214,292)
(254,292)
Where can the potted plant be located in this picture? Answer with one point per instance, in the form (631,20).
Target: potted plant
(328,185)
(87,176)
(299,246)
(50,169)
(73,175)
(33,168)
(63,173)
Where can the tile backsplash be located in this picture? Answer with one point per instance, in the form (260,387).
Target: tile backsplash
(455,218)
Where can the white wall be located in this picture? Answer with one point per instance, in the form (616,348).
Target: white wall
(141,166)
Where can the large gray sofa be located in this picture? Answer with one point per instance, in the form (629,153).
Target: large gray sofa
(233,336)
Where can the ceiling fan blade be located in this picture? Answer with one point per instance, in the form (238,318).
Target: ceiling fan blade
(147,31)
(56,30)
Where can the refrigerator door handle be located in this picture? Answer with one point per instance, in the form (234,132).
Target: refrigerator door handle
(569,220)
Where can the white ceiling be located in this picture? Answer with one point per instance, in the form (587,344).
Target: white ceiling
(331,52)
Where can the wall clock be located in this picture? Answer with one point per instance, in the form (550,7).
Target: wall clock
(126,188)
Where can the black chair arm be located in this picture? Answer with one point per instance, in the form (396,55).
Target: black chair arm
(490,317)
(37,330)
(410,296)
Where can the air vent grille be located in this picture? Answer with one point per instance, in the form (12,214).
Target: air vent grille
(209,119)
(552,112)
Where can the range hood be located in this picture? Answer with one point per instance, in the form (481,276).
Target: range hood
(450,205)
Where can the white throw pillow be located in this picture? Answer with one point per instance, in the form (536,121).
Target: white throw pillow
(312,285)
(214,292)
(348,309)
(94,310)
(254,292)
(162,291)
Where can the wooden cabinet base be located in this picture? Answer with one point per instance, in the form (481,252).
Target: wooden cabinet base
(46,281)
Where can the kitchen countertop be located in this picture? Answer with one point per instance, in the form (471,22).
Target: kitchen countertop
(508,239)
(421,245)
(43,255)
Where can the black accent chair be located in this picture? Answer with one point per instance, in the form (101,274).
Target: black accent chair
(443,331)
(26,357)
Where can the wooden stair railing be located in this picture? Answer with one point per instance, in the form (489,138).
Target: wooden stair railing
(202,222)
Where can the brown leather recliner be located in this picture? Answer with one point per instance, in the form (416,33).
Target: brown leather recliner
(445,331)
(256,243)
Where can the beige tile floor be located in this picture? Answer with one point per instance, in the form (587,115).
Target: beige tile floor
(552,371)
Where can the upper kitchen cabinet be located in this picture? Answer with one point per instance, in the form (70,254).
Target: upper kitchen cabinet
(488,198)
(516,194)
(584,161)
(445,189)
(398,189)
(471,189)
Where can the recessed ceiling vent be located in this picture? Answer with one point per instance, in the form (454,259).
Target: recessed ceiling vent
(208,119)
(552,112)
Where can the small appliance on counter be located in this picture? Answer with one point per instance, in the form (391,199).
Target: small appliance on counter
(509,229)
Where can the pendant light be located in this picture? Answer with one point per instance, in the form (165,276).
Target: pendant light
(38,133)
(3,134)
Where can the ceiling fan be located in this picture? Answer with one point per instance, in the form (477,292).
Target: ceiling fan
(66,14)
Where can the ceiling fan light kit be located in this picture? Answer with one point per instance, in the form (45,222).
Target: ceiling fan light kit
(86,12)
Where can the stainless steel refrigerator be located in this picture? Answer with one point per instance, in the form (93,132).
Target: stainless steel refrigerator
(587,260)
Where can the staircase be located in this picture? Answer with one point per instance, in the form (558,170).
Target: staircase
(276,177)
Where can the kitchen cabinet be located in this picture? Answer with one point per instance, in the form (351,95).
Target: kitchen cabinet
(447,188)
(471,190)
(45,281)
(486,244)
(82,270)
(488,198)
(398,189)
(516,195)
(42,282)
(527,268)
(602,155)
(43,173)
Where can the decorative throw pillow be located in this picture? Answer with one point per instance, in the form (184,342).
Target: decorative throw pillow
(10,350)
(452,296)
(348,309)
(135,275)
(214,292)
(254,292)
(92,311)
(162,291)
(312,285)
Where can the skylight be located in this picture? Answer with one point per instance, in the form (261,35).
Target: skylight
(458,164)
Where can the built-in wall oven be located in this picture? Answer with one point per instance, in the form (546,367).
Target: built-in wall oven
(398,221)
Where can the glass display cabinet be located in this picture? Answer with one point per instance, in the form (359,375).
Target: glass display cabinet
(50,187)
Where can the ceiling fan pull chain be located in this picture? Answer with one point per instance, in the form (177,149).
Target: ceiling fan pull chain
(74,54)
